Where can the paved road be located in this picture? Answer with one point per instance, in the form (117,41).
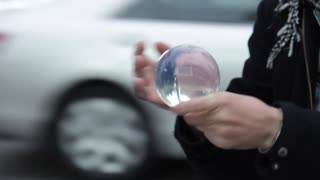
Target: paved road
(172,170)
(166,170)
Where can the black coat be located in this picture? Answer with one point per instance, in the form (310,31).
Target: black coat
(289,85)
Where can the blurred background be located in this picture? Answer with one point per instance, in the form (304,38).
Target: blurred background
(67,108)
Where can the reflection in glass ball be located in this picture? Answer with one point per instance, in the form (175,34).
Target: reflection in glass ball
(184,72)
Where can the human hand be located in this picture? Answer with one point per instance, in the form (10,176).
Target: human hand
(232,121)
(144,72)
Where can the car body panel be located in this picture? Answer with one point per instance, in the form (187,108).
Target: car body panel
(45,55)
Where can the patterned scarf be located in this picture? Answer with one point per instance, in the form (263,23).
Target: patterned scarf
(289,34)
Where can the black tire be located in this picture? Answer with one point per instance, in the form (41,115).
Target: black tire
(97,140)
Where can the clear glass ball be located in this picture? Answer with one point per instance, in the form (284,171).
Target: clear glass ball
(184,72)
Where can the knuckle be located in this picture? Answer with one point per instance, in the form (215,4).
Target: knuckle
(191,121)
(223,143)
(224,97)
(224,132)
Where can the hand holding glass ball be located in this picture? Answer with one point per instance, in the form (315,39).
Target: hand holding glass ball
(185,72)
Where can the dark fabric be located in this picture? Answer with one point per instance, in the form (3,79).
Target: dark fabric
(285,86)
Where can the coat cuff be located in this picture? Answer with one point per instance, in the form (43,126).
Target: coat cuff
(292,132)
(288,145)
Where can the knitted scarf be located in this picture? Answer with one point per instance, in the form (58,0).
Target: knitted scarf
(289,34)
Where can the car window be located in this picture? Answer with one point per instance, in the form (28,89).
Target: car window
(192,10)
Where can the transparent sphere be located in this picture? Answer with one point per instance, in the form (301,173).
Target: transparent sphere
(184,72)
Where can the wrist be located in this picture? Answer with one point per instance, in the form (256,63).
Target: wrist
(276,118)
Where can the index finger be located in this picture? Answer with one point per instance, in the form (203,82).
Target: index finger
(204,103)
(140,63)
(139,48)
(161,47)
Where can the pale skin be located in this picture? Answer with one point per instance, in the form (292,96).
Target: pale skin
(228,120)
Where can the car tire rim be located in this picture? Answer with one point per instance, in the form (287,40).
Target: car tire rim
(103,135)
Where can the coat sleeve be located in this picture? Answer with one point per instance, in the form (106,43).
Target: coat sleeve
(296,152)
(210,162)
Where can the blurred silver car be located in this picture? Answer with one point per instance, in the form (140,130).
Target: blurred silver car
(67,70)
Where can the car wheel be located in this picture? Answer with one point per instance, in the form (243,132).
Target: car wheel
(102,133)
